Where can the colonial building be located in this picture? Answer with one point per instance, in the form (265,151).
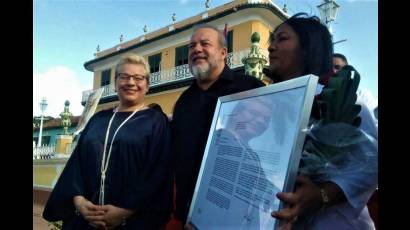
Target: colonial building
(166,50)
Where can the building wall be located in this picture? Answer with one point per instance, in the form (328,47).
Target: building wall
(241,36)
(46,172)
(44,175)
(241,40)
(165,99)
(264,32)
(167,62)
(242,23)
(112,78)
(97,79)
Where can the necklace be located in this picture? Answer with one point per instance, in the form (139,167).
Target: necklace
(106,160)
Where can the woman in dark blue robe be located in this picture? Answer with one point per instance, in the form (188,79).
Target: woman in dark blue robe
(137,190)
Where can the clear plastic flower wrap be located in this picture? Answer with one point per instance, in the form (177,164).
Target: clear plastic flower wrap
(336,149)
(333,149)
(335,145)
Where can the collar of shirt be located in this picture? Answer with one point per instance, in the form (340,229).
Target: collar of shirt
(227,74)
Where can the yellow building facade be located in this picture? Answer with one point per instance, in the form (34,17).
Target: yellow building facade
(169,78)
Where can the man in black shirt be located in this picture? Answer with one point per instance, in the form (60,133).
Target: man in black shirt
(193,112)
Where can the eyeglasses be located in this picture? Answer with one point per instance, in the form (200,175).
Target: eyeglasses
(127,77)
(337,67)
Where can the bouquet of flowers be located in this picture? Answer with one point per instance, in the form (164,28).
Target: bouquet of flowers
(334,143)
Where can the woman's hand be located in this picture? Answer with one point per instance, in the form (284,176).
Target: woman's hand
(114,216)
(90,212)
(305,199)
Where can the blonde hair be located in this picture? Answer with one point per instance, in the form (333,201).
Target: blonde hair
(136,60)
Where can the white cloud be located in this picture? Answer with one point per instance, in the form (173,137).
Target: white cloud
(57,85)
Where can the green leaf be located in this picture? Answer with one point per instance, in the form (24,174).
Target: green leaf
(337,101)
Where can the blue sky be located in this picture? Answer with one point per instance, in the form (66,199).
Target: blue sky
(67,32)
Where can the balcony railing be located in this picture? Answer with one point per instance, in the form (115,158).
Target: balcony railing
(174,74)
(44,152)
(49,152)
(177,73)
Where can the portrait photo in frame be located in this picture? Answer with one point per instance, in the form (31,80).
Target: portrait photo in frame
(89,110)
(253,152)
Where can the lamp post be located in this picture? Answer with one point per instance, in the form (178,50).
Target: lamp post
(43,106)
(328,12)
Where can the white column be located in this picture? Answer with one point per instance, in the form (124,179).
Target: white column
(40,134)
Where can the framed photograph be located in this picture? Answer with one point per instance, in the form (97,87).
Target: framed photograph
(88,112)
(253,152)
(89,109)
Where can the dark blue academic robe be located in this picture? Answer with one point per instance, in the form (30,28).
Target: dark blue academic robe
(138,177)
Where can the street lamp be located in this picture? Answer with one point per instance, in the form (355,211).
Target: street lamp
(328,12)
(43,106)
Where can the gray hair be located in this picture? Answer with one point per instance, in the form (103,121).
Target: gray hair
(221,37)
